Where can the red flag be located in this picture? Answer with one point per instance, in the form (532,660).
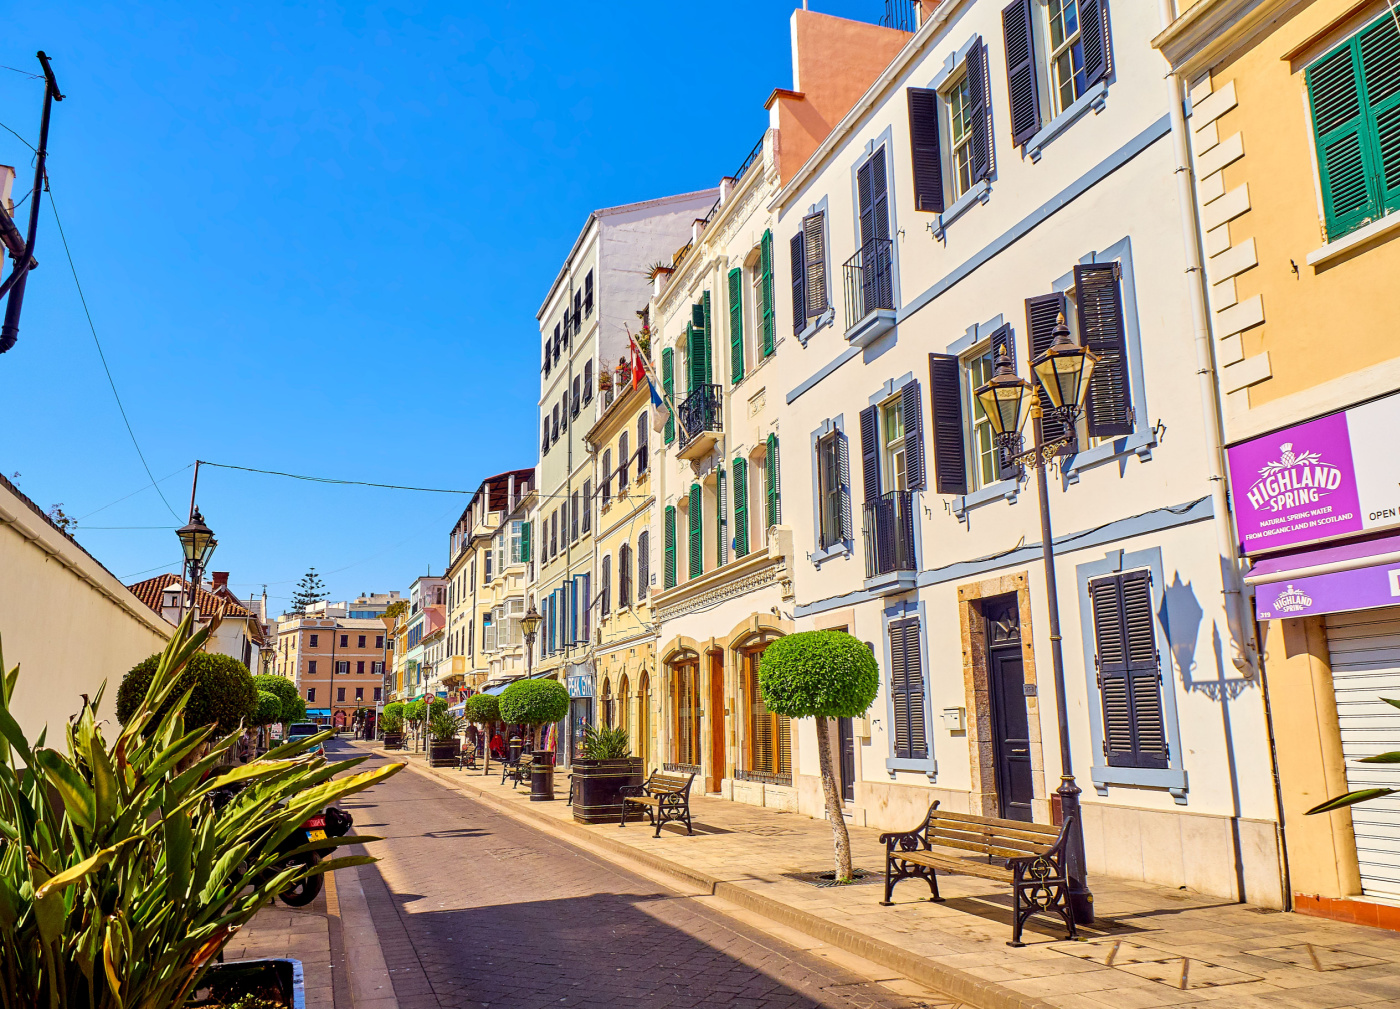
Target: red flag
(638,372)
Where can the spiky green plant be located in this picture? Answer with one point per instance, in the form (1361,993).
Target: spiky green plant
(119,879)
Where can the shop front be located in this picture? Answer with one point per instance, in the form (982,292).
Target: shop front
(581,695)
(1317,509)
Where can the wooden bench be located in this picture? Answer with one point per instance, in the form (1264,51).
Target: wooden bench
(516,770)
(666,797)
(1028,857)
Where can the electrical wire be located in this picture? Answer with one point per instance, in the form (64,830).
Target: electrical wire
(138,490)
(91,326)
(333,480)
(26,73)
(26,143)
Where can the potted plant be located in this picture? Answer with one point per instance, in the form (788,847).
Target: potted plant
(391,726)
(444,746)
(536,703)
(121,876)
(821,674)
(604,766)
(484,710)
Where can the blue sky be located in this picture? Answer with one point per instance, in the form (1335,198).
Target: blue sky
(313,239)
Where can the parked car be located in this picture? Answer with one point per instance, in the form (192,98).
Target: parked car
(298,731)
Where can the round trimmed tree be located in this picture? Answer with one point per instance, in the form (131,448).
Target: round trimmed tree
(269,709)
(821,675)
(286,692)
(483,710)
(224,693)
(534,702)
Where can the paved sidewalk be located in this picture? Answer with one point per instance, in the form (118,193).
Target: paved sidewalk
(1150,946)
(302,933)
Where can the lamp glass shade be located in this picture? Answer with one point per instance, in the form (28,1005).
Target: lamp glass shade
(1006,403)
(197,541)
(1064,374)
(530,622)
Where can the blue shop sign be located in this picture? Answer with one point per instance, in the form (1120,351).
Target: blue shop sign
(580,685)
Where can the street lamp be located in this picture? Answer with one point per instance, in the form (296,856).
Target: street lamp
(1064,371)
(530,624)
(197,542)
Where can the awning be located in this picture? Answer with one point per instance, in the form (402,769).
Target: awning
(1350,576)
(318,712)
(497,689)
(459,708)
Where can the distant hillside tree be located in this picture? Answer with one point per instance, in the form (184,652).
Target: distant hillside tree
(309,590)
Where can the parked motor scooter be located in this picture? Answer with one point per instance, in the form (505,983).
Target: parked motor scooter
(330,822)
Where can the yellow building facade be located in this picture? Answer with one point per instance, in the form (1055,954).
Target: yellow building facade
(625,649)
(1295,134)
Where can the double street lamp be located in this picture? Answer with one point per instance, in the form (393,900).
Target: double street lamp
(1063,371)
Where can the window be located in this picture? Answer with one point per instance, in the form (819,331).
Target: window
(573,517)
(342,668)
(359,693)
(834,501)
(311,693)
(775,511)
(379,693)
(577,399)
(961,108)
(643,563)
(360,668)
(809,271)
(695,526)
(770,734)
(486,566)
(578,308)
(721,521)
(377,668)
(362,641)
(624,577)
(340,694)
(588,293)
(587,504)
(986,455)
(1129,673)
(892,445)
(1355,94)
(1066,54)
(315,641)
(546,358)
(669,548)
(622,463)
(311,668)
(668,388)
(1074,41)
(907,690)
(736,327)
(588,381)
(763,299)
(607,477)
(1098,298)
(926,149)
(605,594)
(697,345)
(642,461)
(741,508)
(564,410)
(517,542)
(554,423)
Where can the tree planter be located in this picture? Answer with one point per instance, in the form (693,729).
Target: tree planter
(444,754)
(277,982)
(393,740)
(596,784)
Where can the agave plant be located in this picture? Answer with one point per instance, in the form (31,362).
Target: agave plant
(120,880)
(1363,794)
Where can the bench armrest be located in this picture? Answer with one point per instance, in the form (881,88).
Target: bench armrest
(631,791)
(910,840)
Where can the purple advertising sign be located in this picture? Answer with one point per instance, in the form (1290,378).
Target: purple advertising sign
(1358,589)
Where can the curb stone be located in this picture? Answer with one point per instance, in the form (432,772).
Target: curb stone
(959,984)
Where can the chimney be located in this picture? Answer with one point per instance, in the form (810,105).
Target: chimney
(220,580)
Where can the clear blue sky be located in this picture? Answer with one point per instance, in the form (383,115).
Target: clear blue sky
(313,238)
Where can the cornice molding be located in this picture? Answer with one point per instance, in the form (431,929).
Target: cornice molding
(1214,30)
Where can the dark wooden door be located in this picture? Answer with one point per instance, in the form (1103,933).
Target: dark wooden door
(1011,743)
(845,734)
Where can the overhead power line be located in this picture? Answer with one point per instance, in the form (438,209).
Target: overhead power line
(333,480)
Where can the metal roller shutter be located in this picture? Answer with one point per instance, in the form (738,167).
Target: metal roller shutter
(1365,653)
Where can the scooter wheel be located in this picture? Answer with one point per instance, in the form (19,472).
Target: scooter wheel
(304,892)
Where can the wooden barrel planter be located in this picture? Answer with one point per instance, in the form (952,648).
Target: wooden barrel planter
(393,740)
(444,754)
(596,783)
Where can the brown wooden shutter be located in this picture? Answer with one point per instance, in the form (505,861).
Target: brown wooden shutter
(870,453)
(945,403)
(814,237)
(1100,313)
(1093,40)
(912,413)
(927,154)
(981,125)
(799,282)
(1022,81)
(1041,313)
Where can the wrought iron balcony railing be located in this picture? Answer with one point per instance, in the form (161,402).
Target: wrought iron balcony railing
(869,277)
(699,412)
(889,534)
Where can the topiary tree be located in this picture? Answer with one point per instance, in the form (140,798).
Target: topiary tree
(293,710)
(534,702)
(269,709)
(286,692)
(394,708)
(821,675)
(224,693)
(483,709)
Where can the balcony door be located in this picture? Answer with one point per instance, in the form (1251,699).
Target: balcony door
(877,287)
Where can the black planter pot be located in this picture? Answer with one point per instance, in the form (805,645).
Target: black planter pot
(541,776)
(279,981)
(596,784)
(393,740)
(444,754)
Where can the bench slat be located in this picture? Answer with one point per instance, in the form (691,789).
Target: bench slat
(1019,836)
(1021,825)
(993,839)
(981,847)
(959,866)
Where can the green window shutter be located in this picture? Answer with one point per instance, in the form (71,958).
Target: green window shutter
(721,520)
(1343,152)
(708,327)
(766,262)
(670,545)
(692,358)
(668,385)
(774,505)
(525,541)
(736,324)
(1380,66)
(696,530)
(741,508)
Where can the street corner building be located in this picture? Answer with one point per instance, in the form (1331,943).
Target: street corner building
(1295,119)
(336,660)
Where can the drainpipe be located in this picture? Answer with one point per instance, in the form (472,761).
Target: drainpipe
(1238,620)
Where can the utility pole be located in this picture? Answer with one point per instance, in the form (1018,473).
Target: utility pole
(22,252)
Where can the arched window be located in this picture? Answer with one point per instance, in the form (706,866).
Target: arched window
(624,576)
(606,703)
(641,444)
(622,462)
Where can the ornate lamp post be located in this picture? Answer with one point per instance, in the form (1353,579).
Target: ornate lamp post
(197,542)
(1063,371)
(530,624)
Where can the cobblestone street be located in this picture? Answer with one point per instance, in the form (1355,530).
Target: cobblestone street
(474,909)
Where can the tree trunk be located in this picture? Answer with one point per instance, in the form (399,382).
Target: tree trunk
(833,803)
(486,748)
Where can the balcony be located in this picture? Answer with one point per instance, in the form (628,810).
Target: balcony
(869,280)
(890,558)
(701,417)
